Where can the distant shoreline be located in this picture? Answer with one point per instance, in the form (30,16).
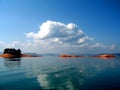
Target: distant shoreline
(105,56)
(65,56)
(22,55)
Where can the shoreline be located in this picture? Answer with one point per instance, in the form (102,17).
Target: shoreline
(64,56)
(22,55)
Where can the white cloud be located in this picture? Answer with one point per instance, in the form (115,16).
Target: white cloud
(60,33)
(57,37)
(40,46)
(113,46)
(97,45)
(15,44)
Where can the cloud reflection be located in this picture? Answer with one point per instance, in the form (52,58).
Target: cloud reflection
(67,74)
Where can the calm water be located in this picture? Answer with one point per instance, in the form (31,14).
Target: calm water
(53,73)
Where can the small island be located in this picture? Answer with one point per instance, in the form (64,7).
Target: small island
(105,56)
(69,56)
(11,53)
(14,53)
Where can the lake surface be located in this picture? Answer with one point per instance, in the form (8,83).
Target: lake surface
(54,73)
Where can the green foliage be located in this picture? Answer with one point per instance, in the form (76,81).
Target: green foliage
(12,51)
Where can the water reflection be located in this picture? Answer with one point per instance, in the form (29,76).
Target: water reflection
(70,74)
(61,80)
(68,79)
(72,78)
(12,62)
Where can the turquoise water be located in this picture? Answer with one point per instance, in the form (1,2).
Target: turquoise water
(53,73)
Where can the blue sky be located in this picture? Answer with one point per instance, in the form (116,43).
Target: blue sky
(99,21)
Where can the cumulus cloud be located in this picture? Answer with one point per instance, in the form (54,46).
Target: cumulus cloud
(57,32)
(57,37)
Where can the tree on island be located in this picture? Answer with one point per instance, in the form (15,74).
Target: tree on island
(12,51)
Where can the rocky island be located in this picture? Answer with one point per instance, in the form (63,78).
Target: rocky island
(105,56)
(11,53)
(14,53)
(69,56)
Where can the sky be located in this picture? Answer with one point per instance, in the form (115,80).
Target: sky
(60,26)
